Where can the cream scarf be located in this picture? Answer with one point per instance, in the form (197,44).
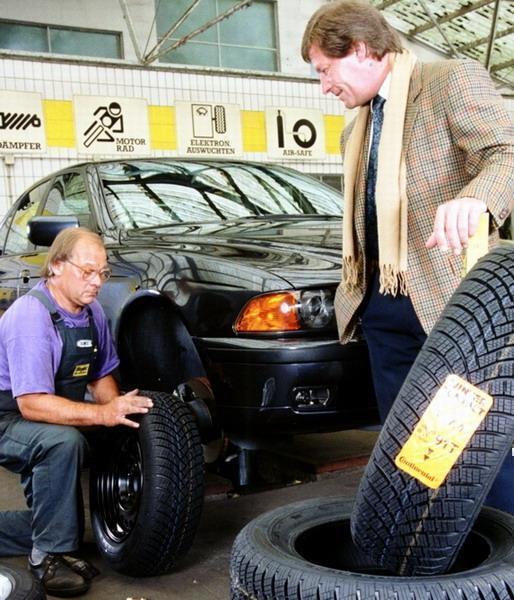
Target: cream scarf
(390,197)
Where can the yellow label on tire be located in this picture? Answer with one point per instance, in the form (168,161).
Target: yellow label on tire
(443,431)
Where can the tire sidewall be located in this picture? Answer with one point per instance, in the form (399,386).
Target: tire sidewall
(182,445)
(24,586)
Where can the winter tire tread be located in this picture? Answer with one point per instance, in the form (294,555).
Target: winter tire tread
(473,339)
(171,503)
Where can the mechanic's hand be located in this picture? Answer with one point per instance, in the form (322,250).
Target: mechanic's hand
(455,222)
(115,412)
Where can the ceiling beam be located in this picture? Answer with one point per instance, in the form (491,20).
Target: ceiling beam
(504,65)
(449,17)
(483,40)
(454,51)
(492,35)
(386,4)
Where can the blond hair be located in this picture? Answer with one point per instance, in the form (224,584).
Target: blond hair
(336,27)
(63,245)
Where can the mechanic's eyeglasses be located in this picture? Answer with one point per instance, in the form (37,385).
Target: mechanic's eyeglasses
(88,273)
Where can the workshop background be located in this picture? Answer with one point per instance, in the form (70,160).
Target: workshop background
(197,78)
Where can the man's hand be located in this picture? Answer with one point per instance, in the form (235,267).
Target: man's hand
(115,412)
(455,222)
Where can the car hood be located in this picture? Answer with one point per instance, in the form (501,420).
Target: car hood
(303,251)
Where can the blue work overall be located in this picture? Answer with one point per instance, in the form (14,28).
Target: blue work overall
(48,457)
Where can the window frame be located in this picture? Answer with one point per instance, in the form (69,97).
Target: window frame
(59,179)
(218,45)
(6,227)
(49,26)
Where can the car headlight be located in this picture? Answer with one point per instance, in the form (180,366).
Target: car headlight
(287,311)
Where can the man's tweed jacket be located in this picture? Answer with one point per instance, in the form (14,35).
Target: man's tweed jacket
(459,142)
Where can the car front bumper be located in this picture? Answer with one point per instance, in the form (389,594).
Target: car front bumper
(289,386)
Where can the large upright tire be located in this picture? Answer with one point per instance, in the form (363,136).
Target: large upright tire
(146,489)
(304,551)
(18,584)
(401,523)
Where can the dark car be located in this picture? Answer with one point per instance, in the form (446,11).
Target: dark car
(224,275)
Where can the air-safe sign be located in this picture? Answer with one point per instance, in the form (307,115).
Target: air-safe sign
(21,123)
(209,129)
(111,125)
(295,133)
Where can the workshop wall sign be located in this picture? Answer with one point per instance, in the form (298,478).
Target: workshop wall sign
(111,125)
(21,123)
(209,130)
(295,133)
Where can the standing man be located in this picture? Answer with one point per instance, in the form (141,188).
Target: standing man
(55,343)
(430,150)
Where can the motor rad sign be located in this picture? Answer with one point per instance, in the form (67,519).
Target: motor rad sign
(21,123)
(209,129)
(295,133)
(111,125)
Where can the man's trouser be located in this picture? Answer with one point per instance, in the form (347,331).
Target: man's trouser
(48,459)
(394,337)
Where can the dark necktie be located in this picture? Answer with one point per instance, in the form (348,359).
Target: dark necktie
(377,118)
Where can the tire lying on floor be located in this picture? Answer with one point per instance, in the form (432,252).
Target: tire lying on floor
(404,525)
(146,489)
(18,584)
(304,551)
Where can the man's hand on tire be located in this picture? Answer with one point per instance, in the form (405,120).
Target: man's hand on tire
(115,412)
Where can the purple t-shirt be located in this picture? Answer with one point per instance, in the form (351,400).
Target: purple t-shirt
(31,347)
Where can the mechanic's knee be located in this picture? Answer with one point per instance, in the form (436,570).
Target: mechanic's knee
(66,440)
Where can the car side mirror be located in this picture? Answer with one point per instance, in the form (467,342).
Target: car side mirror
(42,231)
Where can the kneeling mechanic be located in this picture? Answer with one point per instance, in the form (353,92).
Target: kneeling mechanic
(54,345)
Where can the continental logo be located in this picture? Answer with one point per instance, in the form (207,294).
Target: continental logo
(415,467)
(81,370)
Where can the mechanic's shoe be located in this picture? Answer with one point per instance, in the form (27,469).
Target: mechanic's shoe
(81,566)
(58,578)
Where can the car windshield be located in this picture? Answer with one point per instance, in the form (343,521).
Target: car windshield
(150,193)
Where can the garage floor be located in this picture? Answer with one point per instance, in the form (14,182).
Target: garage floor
(310,466)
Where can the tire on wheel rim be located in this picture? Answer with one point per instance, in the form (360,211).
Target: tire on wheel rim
(304,551)
(404,525)
(18,584)
(146,489)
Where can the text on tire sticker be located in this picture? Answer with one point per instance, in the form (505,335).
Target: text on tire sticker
(443,431)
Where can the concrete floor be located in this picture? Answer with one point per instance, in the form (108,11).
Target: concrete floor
(332,462)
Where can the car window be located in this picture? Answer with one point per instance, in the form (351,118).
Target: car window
(68,197)
(266,194)
(17,241)
(318,197)
(143,194)
(136,205)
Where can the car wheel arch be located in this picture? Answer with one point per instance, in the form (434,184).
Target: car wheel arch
(155,347)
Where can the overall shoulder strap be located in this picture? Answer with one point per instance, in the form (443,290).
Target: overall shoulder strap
(47,303)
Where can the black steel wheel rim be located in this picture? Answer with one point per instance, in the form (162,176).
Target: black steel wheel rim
(120,485)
